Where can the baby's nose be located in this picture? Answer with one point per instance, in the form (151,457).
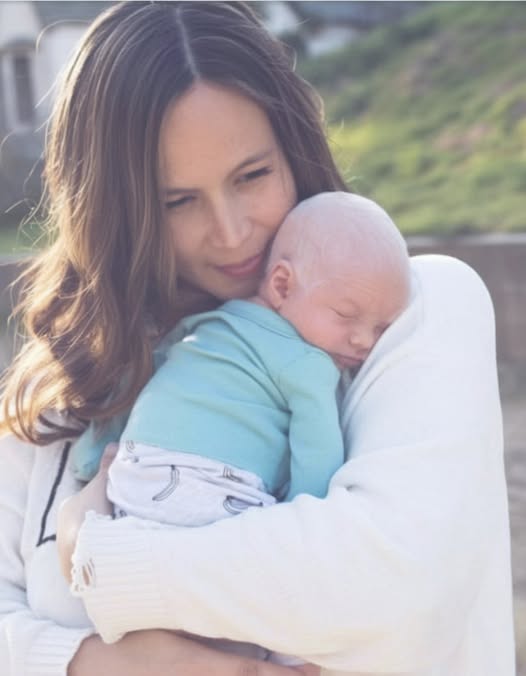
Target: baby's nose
(363,339)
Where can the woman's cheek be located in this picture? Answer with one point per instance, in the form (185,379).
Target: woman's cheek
(185,234)
(278,201)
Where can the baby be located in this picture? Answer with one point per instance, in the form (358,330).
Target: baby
(247,392)
(243,412)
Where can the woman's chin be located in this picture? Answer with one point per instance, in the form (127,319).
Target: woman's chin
(240,289)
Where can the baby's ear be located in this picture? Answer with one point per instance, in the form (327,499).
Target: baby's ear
(280,282)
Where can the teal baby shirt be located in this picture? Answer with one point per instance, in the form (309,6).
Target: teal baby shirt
(240,385)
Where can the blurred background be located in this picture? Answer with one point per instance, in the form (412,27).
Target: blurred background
(426,113)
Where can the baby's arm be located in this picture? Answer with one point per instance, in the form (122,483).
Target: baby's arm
(88,448)
(316,442)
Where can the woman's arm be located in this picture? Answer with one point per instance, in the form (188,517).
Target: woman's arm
(164,653)
(72,511)
(32,644)
(382,575)
(29,643)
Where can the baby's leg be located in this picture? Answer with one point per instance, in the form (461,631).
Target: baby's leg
(178,488)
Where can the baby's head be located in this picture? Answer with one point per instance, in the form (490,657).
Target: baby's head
(338,271)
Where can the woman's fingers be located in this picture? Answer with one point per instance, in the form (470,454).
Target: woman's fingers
(166,653)
(107,457)
(73,510)
(188,657)
(256,668)
(175,653)
(308,670)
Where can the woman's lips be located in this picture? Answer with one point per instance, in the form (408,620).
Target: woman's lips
(247,268)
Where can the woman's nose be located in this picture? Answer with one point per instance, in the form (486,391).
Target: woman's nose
(229,225)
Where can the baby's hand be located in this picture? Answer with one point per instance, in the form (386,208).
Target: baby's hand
(73,510)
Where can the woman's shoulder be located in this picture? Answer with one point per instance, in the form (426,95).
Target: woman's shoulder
(19,457)
(17,467)
(12,447)
(449,279)
(452,299)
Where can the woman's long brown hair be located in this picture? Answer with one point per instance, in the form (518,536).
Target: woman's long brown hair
(87,302)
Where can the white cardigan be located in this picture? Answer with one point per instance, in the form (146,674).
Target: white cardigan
(404,569)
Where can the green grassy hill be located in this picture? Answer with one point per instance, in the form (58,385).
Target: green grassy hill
(429,116)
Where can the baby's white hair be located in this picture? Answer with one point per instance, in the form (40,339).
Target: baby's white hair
(335,229)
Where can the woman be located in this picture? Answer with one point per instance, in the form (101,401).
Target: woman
(180,139)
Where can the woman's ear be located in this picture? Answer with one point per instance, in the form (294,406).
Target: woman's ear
(280,283)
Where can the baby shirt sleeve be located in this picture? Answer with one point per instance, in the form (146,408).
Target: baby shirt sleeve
(315,438)
(89,447)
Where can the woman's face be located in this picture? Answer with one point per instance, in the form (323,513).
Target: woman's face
(225,185)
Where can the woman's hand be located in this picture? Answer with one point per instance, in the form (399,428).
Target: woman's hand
(73,510)
(158,652)
(154,652)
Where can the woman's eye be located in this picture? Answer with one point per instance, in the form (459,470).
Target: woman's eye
(257,173)
(175,204)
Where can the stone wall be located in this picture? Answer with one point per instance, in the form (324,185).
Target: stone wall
(501,262)
(10,268)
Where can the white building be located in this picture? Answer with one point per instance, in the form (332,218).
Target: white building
(36,39)
(316,28)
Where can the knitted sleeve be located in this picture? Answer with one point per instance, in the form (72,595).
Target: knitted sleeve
(30,645)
